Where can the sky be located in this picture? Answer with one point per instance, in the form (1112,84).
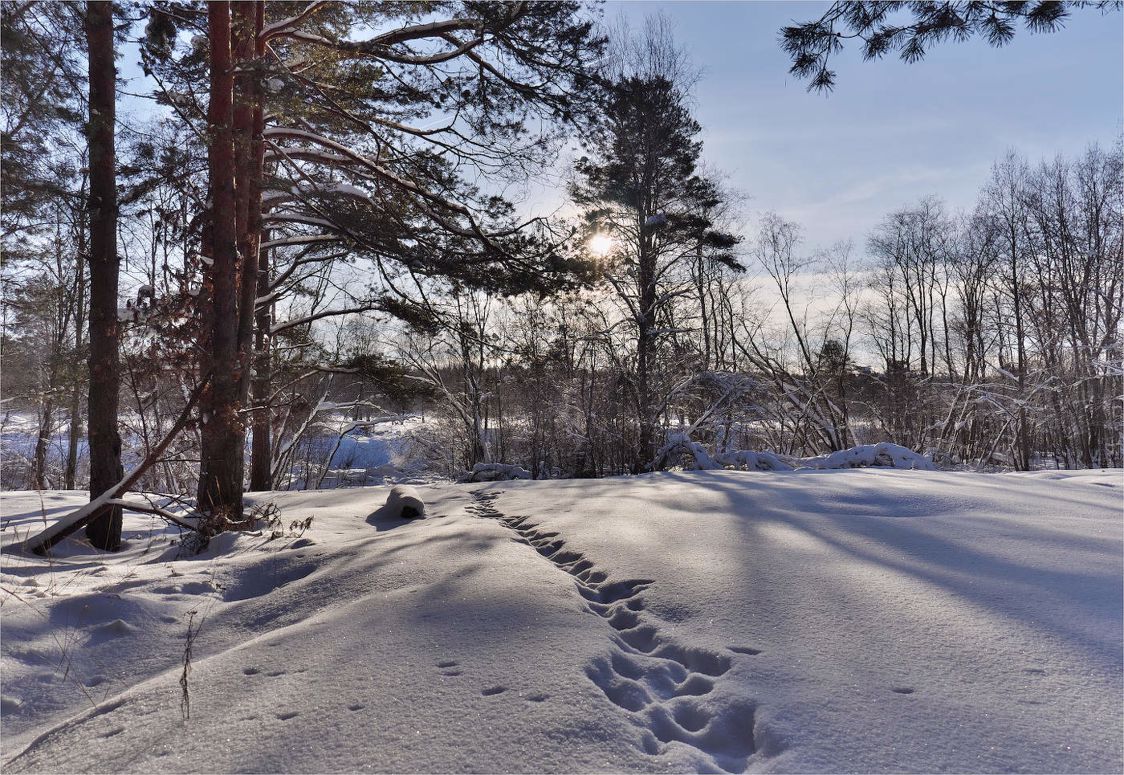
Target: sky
(890,133)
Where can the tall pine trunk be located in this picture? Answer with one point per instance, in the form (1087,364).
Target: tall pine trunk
(105,376)
(250,152)
(222,433)
(248,156)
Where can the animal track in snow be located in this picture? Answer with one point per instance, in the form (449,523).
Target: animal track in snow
(448,667)
(660,682)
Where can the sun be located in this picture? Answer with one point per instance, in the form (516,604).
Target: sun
(601,245)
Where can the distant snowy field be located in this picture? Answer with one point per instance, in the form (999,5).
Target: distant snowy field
(854,620)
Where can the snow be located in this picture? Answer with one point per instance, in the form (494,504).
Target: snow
(347,475)
(881,454)
(746,460)
(680,447)
(679,444)
(846,620)
(284,24)
(495,472)
(346,189)
(404,502)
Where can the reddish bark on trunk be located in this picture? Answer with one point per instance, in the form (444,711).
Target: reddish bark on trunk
(105,377)
(223,432)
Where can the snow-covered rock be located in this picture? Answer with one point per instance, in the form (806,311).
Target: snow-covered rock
(405,502)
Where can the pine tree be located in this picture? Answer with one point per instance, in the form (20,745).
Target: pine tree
(347,159)
(641,188)
(910,27)
(105,374)
(43,83)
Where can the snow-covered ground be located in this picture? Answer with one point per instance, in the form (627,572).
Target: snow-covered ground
(861,620)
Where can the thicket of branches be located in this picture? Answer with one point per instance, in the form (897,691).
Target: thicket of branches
(988,338)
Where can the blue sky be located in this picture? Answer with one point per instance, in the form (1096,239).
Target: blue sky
(890,133)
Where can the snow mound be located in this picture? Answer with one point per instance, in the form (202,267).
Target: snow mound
(405,502)
(495,472)
(680,448)
(880,455)
(746,460)
(348,476)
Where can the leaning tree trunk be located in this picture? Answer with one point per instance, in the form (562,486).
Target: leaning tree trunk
(222,433)
(105,376)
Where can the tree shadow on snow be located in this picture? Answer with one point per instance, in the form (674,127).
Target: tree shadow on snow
(1011,585)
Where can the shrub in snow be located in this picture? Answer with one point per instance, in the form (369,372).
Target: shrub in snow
(386,470)
(745,460)
(404,502)
(348,476)
(495,472)
(883,454)
(680,446)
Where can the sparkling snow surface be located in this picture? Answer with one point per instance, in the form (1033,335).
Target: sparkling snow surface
(862,620)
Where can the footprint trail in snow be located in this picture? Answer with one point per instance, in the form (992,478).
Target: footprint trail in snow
(659,682)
